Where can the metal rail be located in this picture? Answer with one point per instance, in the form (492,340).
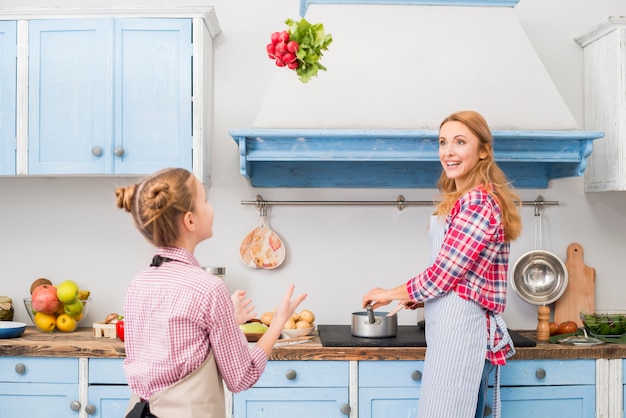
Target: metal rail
(400,202)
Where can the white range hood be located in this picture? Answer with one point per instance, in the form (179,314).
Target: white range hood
(396,71)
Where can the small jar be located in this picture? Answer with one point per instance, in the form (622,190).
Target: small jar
(6,308)
(216,271)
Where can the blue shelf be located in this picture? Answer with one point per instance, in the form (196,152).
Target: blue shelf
(347,158)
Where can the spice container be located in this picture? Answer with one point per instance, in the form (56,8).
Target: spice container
(6,308)
(216,271)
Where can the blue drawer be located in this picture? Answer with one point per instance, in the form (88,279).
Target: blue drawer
(38,369)
(305,374)
(107,371)
(548,372)
(390,373)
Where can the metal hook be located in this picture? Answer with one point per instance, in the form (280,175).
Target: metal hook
(400,199)
(539,205)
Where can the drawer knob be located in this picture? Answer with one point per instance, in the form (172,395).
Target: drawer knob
(75,406)
(20,368)
(291,374)
(90,409)
(540,373)
(96,151)
(488,411)
(119,151)
(345,409)
(416,375)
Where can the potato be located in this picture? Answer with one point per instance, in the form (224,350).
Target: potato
(303,325)
(307,315)
(290,324)
(267,317)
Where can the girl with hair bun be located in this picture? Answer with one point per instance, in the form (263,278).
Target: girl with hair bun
(182,335)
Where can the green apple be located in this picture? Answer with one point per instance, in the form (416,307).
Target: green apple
(74,308)
(253,328)
(67,291)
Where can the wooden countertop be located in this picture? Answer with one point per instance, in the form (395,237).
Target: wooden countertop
(82,343)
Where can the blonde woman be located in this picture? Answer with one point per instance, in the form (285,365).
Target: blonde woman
(464,290)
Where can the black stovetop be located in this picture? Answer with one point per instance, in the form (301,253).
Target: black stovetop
(407,336)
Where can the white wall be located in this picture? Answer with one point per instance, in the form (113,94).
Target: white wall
(69,228)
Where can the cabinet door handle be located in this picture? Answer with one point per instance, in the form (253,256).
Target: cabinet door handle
(20,368)
(416,375)
(75,406)
(540,373)
(96,151)
(90,409)
(488,411)
(345,409)
(119,151)
(291,374)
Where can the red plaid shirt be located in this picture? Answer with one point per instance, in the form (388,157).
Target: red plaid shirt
(173,316)
(473,260)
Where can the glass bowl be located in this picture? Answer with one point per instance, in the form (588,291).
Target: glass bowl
(61,322)
(611,324)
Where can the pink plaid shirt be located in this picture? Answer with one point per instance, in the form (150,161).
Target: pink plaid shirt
(473,260)
(173,316)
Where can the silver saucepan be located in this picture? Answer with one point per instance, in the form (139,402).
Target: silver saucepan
(370,324)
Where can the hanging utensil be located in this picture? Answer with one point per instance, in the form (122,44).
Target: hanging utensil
(539,277)
(262,247)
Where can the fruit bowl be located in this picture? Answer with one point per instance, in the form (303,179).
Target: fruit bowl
(59,320)
(611,324)
(295,333)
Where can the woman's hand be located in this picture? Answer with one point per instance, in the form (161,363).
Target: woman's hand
(243,307)
(377,297)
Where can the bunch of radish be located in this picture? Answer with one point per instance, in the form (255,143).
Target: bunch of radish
(300,48)
(283,50)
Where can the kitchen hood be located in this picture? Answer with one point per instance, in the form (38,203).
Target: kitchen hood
(395,71)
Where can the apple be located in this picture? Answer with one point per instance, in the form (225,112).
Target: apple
(74,308)
(44,299)
(66,323)
(67,291)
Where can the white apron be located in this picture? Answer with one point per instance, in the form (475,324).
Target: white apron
(198,395)
(456,336)
(452,353)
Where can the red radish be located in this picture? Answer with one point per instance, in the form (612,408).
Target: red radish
(284,36)
(293,65)
(292,46)
(288,57)
(275,37)
(271,48)
(280,62)
(281,47)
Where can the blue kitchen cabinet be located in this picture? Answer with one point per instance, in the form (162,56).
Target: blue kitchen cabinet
(389,388)
(8,99)
(108,392)
(547,389)
(109,96)
(303,389)
(39,387)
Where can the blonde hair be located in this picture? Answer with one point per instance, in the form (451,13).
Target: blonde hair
(487,173)
(158,203)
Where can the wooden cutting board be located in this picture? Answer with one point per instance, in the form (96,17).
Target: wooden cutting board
(580,294)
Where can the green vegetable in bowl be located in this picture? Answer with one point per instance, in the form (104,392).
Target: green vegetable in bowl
(609,324)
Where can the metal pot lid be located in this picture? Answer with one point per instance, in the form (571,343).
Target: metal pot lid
(539,277)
